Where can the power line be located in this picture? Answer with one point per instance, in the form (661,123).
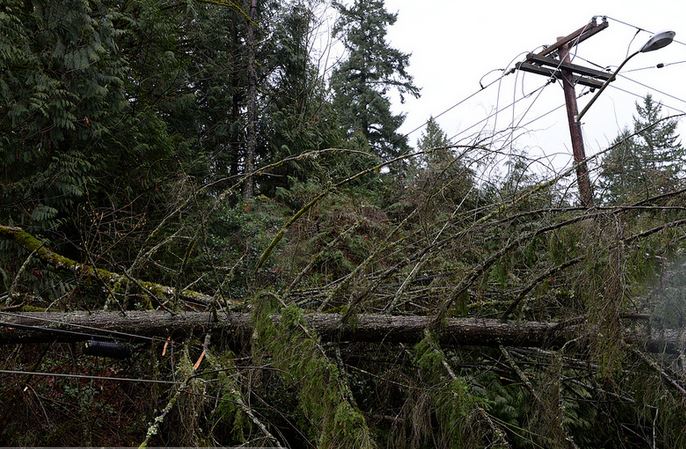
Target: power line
(460,102)
(641,96)
(514,93)
(641,84)
(652,88)
(499,110)
(49,330)
(638,28)
(105,333)
(86,376)
(551,79)
(547,113)
(82,326)
(660,65)
(604,67)
(506,71)
(512,125)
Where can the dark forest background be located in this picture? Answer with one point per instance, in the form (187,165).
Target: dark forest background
(213,156)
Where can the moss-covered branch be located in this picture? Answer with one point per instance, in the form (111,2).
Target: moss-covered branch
(451,400)
(61,263)
(322,393)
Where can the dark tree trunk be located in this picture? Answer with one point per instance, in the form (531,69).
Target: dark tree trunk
(251,141)
(75,326)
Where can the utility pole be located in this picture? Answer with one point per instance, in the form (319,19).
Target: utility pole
(585,189)
(571,74)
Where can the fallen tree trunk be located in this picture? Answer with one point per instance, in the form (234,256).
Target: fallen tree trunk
(36,327)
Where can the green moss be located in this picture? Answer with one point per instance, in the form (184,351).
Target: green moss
(115,281)
(453,404)
(344,429)
(28,308)
(184,368)
(294,350)
(228,411)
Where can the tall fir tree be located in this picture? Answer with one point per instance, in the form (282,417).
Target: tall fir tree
(621,171)
(434,141)
(445,171)
(647,163)
(372,70)
(658,141)
(299,117)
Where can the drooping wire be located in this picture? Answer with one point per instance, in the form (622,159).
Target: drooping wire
(541,116)
(506,71)
(547,113)
(87,376)
(491,115)
(497,98)
(638,28)
(104,333)
(551,80)
(533,120)
(49,330)
(80,326)
(463,100)
(641,96)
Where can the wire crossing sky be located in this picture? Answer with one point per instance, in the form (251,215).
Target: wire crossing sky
(456,49)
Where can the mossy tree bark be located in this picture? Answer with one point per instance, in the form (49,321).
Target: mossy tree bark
(67,326)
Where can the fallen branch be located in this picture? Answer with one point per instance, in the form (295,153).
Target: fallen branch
(38,327)
(654,365)
(61,263)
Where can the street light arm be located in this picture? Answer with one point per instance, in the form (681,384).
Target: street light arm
(604,86)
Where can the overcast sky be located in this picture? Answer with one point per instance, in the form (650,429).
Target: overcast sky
(454,44)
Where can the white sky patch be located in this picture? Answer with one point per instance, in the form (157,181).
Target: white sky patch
(454,44)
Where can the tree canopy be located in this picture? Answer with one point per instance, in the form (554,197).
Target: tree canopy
(646,161)
(213,235)
(371,71)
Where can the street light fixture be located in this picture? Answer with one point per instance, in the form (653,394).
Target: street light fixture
(656,42)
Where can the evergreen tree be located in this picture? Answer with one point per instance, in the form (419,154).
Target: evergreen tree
(621,170)
(646,164)
(444,171)
(210,106)
(298,115)
(434,141)
(372,69)
(658,141)
(68,126)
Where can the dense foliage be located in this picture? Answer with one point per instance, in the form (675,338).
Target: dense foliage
(128,132)
(646,161)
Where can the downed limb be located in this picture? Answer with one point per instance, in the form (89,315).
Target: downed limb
(46,326)
(655,366)
(39,250)
(324,395)
(233,397)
